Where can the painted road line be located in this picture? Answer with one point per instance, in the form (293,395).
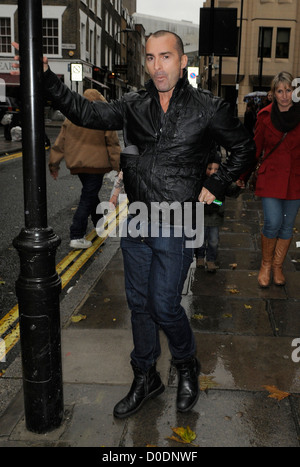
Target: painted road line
(12,338)
(9,320)
(11,156)
(84,257)
(80,262)
(73,254)
(9,325)
(15,155)
(9,329)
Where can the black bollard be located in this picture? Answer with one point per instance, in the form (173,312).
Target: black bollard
(38,286)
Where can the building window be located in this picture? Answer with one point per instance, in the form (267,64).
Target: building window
(92,46)
(98,47)
(92,5)
(265,42)
(99,12)
(50,36)
(283,42)
(5,35)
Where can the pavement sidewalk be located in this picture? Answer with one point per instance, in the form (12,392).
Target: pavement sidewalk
(244,340)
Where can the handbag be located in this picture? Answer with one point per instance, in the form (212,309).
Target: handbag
(253,177)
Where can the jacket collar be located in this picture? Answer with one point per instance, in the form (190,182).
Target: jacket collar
(267,109)
(292,117)
(181,83)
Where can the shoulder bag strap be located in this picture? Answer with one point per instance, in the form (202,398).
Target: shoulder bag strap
(275,147)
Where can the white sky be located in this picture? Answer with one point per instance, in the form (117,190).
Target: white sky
(188,10)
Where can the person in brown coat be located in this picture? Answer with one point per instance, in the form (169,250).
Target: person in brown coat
(89,154)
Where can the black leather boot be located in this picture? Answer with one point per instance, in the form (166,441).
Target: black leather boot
(146,385)
(188,384)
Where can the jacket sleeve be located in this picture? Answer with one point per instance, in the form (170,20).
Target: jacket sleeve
(113,149)
(58,148)
(231,134)
(98,115)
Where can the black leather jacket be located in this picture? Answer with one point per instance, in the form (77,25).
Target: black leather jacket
(166,154)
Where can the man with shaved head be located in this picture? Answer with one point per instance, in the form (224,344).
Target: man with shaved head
(168,128)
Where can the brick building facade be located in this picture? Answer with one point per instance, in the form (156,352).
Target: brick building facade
(85,32)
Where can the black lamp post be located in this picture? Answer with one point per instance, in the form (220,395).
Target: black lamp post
(38,286)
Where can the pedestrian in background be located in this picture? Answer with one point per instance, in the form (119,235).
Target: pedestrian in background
(250,117)
(278,184)
(207,254)
(89,154)
(214,214)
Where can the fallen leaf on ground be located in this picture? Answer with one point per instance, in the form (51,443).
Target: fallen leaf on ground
(207,382)
(185,435)
(198,316)
(227,315)
(233,265)
(233,291)
(248,307)
(275,393)
(77,318)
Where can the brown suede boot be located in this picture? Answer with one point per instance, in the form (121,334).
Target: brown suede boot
(281,250)
(267,251)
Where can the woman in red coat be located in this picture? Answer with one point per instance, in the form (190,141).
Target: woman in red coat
(278,182)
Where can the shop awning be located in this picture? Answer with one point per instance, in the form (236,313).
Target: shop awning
(10,80)
(96,82)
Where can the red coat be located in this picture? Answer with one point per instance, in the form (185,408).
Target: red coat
(279,175)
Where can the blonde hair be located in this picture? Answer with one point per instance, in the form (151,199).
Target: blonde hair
(93,95)
(282,77)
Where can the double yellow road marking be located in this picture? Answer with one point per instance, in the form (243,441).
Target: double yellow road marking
(15,155)
(11,156)
(66,269)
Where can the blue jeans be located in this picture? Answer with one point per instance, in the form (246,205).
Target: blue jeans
(155,271)
(89,200)
(279,217)
(209,249)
